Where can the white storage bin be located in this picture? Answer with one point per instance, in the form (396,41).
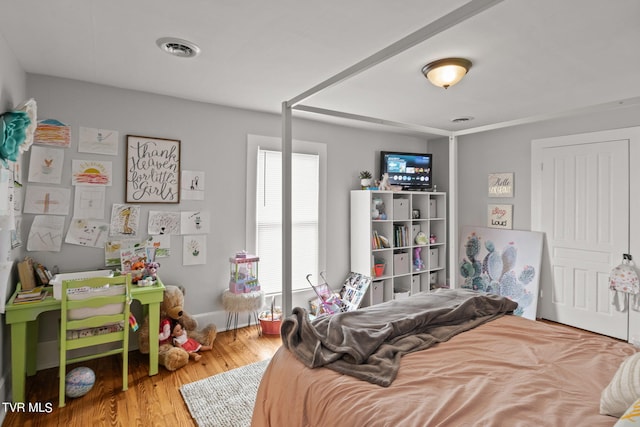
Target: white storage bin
(433,258)
(377,292)
(415,282)
(433,209)
(400,209)
(400,263)
(56,281)
(433,278)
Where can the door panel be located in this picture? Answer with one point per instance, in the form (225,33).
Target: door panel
(585,216)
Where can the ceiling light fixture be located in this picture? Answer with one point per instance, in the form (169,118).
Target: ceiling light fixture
(178,47)
(446,72)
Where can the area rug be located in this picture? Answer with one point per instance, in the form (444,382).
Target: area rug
(226,399)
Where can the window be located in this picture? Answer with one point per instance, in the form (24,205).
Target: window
(264,199)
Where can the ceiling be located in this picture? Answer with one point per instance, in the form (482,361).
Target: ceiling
(530,59)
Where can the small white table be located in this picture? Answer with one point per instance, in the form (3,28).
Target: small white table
(249,302)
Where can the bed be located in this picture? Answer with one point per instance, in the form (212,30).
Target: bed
(505,370)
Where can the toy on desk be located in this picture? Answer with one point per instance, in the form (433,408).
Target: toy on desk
(149,274)
(243,273)
(137,271)
(151,270)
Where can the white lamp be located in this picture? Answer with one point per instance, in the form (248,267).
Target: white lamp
(446,72)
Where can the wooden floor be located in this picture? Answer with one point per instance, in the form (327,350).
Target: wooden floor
(149,401)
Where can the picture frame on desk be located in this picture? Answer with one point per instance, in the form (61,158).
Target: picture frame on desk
(153,170)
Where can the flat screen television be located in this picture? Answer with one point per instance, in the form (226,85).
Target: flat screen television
(412,171)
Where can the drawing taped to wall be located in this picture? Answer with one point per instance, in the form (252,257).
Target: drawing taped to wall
(98,141)
(46,165)
(16,233)
(47,200)
(91,172)
(52,132)
(192,185)
(194,250)
(194,222)
(87,232)
(124,220)
(89,201)
(162,222)
(46,233)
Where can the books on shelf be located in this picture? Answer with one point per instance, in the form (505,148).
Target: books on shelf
(379,241)
(400,235)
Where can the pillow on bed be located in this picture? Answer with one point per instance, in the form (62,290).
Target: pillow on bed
(624,388)
(631,417)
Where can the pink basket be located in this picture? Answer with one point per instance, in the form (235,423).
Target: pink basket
(270,327)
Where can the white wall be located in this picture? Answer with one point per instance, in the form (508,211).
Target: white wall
(509,150)
(12,93)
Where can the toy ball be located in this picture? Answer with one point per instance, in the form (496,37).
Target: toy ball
(79,381)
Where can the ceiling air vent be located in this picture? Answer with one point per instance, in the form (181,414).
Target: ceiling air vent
(178,47)
(462,119)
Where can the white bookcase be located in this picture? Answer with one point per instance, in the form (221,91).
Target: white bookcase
(384,225)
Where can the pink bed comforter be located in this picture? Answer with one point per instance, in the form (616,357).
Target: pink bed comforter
(508,372)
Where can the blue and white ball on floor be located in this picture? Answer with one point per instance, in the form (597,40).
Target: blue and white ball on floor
(79,381)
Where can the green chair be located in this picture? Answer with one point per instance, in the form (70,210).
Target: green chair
(94,312)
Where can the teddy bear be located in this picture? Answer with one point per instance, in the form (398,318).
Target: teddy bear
(172,308)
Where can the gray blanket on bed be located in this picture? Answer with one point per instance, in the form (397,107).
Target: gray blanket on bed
(368,343)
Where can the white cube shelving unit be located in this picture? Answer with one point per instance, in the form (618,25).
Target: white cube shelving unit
(384,225)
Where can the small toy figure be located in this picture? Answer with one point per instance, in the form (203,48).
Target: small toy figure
(384,183)
(151,269)
(137,271)
(418,264)
(192,346)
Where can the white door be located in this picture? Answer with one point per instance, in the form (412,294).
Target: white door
(582,188)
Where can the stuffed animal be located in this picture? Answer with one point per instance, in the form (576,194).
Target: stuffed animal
(137,271)
(151,269)
(172,308)
(384,183)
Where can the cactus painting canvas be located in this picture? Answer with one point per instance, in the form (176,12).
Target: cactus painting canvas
(503,262)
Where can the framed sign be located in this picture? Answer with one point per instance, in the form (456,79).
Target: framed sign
(153,170)
(501,184)
(500,216)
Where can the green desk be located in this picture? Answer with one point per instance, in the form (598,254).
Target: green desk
(23,319)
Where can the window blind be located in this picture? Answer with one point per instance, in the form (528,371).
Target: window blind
(304,222)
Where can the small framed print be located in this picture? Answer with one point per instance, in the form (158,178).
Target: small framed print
(501,184)
(500,216)
(153,170)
